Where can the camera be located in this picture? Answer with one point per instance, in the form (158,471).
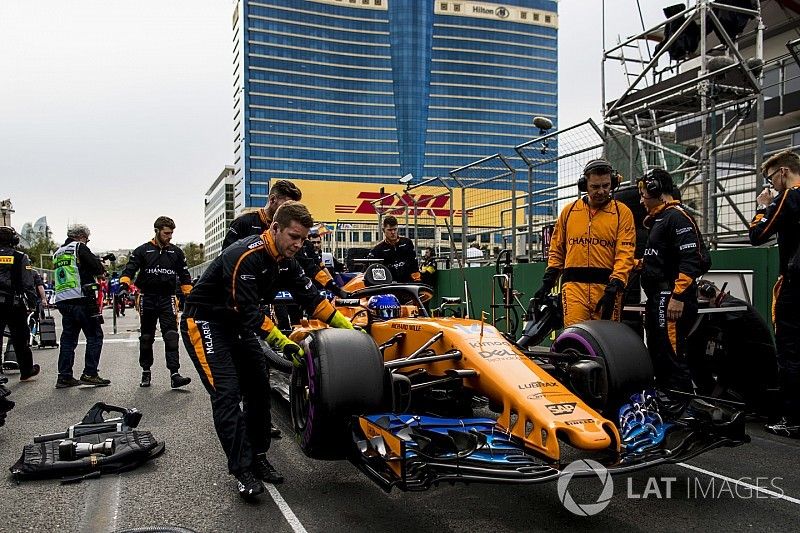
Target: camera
(69,450)
(89,291)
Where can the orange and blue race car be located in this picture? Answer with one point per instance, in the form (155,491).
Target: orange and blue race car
(402,398)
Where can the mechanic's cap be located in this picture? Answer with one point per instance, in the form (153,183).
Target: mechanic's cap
(384,306)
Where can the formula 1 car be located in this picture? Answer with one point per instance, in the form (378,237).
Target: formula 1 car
(399,398)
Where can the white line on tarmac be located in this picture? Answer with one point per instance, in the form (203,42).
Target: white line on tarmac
(288,514)
(772,493)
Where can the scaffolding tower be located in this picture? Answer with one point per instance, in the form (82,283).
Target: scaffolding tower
(714,89)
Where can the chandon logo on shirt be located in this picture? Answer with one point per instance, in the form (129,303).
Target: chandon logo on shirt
(159,270)
(591,240)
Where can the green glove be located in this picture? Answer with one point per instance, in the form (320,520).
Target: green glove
(295,352)
(338,320)
(280,342)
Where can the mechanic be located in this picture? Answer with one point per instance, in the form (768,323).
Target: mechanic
(17,292)
(220,328)
(258,222)
(428,268)
(397,253)
(592,249)
(310,258)
(160,266)
(674,257)
(75,270)
(780,213)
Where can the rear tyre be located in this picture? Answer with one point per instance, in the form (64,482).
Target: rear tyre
(619,350)
(343,375)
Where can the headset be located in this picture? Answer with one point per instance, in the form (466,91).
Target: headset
(9,235)
(656,182)
(594,165)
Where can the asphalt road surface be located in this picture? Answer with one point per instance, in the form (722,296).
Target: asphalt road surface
(753,487)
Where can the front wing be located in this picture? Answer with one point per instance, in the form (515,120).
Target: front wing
(413,452)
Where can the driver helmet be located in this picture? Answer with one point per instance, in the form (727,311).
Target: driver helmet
(384,306)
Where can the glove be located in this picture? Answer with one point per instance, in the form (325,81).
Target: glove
(338,320)
(336,290)
(609,300)
(280,342)
(294,352)
(548,282)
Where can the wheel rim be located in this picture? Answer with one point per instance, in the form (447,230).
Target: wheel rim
(299,397)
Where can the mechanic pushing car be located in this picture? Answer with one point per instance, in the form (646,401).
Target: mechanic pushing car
(675,256)
(781,214)
(592,249)
(160,265)
(397,253)
(221,326)
(310,258)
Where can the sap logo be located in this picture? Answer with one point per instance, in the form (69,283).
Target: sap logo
(681,231)
(537,385)
(255,245)
(559,409)
(688,246)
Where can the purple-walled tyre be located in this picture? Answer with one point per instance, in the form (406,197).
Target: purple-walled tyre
(343,375)
(618,349)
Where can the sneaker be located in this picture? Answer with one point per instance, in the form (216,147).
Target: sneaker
(94,380)
(63,383)
(178,381)
(35,369)
(785,427)
(274,432)
(145,379)
(265,471)
(248,485)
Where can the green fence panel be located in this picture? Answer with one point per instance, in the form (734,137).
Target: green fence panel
(527,279)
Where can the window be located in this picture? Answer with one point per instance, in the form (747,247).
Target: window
(523,15)
(547,19)
(340,236)
(536,17)
(354,236)
(366,236)
(443,6)
(456,7)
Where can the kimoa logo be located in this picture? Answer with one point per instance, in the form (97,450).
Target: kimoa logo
(584,466)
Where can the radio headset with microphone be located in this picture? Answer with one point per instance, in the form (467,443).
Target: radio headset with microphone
(656,182)
(9,235)
(597,165)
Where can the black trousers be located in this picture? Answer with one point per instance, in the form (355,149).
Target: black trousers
(232,368)
(15,316)
(161,309)
(786,318)
(666,340)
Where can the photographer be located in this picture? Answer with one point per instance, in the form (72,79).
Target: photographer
(16,286)
(76,299)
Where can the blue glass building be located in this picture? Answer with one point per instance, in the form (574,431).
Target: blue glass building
(370,90)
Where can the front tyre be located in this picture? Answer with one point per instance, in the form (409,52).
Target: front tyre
(342,376)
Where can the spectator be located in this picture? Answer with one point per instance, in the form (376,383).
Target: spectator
(76,268)
(781,214)
(474,255)
(428,268)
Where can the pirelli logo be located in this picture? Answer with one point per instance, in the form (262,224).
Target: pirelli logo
(6,259)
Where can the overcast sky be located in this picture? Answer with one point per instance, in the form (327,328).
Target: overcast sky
(115,112)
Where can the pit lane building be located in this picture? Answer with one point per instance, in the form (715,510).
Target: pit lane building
(347,96)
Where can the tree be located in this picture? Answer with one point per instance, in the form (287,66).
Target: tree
(194,253)
(41,250)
